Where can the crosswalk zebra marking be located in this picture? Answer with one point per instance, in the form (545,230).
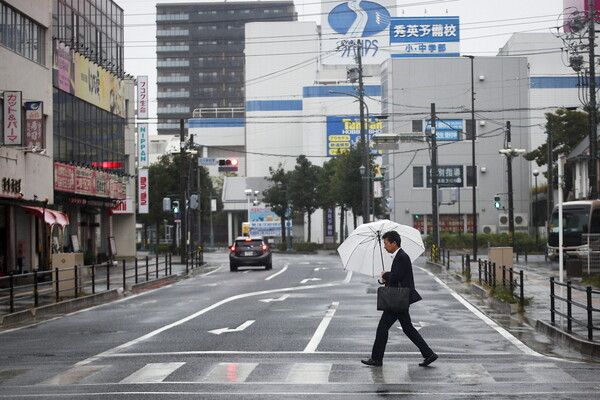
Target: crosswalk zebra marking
(230,372)
(309,373)
(72,376)
(154,372)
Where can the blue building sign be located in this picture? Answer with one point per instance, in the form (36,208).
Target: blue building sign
(446,129)
(425,36)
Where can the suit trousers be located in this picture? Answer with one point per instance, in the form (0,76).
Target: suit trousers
(385,323)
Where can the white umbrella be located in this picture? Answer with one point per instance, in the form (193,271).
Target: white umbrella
(363,251)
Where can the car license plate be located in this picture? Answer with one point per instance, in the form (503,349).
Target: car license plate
(248,253)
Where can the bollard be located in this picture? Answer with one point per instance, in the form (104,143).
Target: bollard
(569,308)
(93,279)
(136,269)
(36,297)
(76,282)
(589,308)
(124,276)
(552,317)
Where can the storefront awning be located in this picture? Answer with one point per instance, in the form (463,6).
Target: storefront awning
(50,216)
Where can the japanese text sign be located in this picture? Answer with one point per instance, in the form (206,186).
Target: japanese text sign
(426,36)
(12,118)
(142,97)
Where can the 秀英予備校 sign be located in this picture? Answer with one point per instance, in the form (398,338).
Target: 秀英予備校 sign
(425,36)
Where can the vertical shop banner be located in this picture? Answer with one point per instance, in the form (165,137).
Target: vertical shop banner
(143,192)
(142,145)
(142,97)
(12,118)
(34,124)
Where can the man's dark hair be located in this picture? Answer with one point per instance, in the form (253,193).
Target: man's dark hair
(392,236)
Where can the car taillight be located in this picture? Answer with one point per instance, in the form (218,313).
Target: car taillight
(265,247)
(232,248)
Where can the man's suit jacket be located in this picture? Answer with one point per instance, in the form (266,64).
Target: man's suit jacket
(401,275)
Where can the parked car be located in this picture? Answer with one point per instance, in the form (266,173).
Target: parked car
(249,251)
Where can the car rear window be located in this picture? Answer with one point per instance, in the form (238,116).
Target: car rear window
(249,244)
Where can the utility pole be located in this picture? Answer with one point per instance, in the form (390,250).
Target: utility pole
(434,181)
(511,214)
(363,137)
(550,177)
(592,166)
(473,137)
(182,190)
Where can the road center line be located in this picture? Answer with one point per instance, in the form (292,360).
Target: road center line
(320,332)
(285,267)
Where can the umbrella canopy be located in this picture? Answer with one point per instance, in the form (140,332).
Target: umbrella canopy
(363,251)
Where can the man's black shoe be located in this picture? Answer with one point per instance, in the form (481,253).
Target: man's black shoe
(429,360)
(372,363)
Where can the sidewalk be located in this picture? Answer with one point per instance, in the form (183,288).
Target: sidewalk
(536,275)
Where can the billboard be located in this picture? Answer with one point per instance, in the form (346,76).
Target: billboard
(345,22)
(77,75)
(425,36)
(343,133)
(264,222)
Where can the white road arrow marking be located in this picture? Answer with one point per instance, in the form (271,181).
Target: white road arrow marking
(419,325)
(282,298)
(228,330)
(309,279)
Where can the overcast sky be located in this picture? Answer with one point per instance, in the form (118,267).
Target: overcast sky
(486,25)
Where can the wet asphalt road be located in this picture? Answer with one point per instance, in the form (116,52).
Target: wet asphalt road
(298,330)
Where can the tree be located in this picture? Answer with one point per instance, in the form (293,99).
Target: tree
(276,196)
(164,181)
(567,128)
(302,189)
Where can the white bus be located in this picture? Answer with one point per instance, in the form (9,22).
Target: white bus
(579,218)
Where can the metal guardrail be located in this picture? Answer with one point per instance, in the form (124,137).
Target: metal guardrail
(511,279)
(22,291)
(585,317)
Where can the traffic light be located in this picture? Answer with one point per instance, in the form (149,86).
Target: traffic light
(497,204)
(175,207)
(228,162)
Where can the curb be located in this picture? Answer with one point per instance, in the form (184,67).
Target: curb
(555,334)
(62,307)
(566,339)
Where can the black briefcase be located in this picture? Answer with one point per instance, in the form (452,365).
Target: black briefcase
(394,299)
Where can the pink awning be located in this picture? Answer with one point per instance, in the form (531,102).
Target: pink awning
(50,216)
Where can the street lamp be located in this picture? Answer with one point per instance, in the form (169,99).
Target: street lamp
(510,153)
(534,213)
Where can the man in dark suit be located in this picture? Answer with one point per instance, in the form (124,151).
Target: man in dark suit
(401,275)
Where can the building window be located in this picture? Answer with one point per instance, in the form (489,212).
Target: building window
(469,129)
(418,181)
(21,34)
(417,126)
(470,176)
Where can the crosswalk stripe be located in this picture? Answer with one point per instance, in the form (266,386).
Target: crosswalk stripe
(72,376)
(230,372)
(548,372)
(154,372)
(309,373)
(469,374)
